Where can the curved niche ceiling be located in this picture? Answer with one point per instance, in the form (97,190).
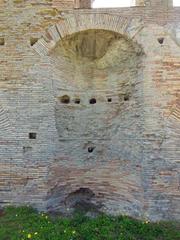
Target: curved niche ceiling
(100,69)
(96,60)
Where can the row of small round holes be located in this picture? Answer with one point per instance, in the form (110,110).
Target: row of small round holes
(66,99)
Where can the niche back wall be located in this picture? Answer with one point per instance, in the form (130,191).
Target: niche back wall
(97,84)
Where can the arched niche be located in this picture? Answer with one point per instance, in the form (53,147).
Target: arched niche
(94,65)
(73,23)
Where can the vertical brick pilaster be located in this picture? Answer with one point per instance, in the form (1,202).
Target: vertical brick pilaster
(160,3)
(82,3)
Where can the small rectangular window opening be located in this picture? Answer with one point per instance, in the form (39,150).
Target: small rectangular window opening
(176,3)
(113,3)
(32,135)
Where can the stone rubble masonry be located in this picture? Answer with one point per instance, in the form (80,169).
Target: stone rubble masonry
(122,154)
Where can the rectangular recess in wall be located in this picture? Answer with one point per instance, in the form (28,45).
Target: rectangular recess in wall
(32,135)
(2,41)
(33,40)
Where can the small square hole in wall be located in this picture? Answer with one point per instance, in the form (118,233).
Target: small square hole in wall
(2,41)
(126,97)
(77,101)
(33,41)
(32,135)
(91,149)
(65,99)
(92,101)
(161,40)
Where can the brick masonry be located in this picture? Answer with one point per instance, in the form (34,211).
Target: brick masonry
(49,50)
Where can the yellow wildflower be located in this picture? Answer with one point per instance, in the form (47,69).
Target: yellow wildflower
(29,236)
(73,232)
(35,233)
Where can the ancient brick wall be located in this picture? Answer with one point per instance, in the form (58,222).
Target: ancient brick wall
(70,4)
(67,4)
(90,107)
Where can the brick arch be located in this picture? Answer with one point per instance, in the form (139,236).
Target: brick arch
(75,22)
